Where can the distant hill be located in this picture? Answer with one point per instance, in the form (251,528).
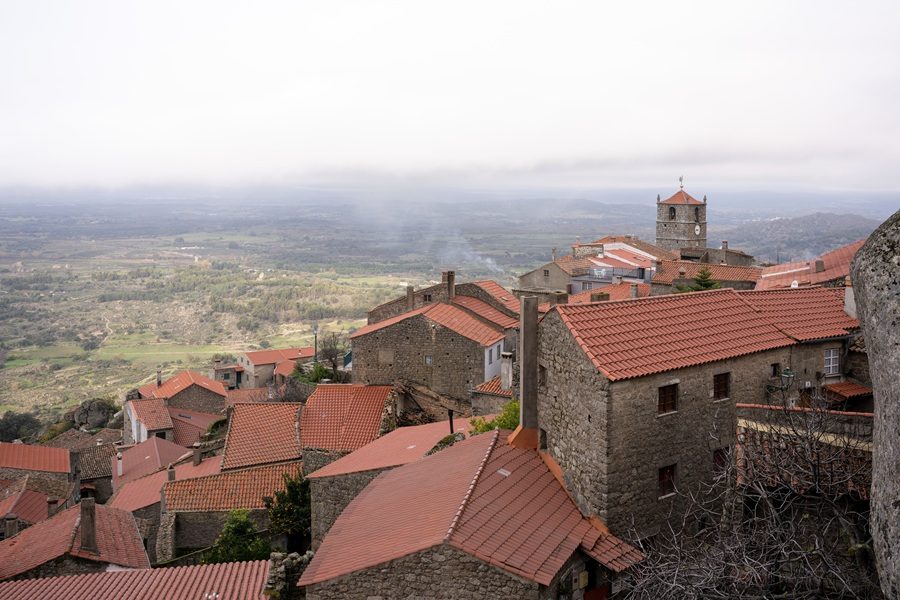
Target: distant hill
(797,238)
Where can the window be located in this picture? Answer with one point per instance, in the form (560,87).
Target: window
(668,399)
(546,272)
(226,376)
(542,375)
(586,285)
(491,355)
(832,362)
(542,439)
(776,370)
(697,214)
(666,481)
(721,386)
(671,213)
(429,360)
(427,297)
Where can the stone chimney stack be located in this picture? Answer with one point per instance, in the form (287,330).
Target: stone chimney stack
(170,473)
(118,464)
(526,434)
(617,279)
(158,377)
(11,525)
(51,506)
(849,299)
(558,298)
(88,525)
(820,266)
(198,455)
(599,296)
(725,245)
(451,285)
(506,370)
(410,297)
(634,290)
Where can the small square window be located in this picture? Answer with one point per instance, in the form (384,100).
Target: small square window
(546,272)
(427,297)
(226,376)
(832,362)
(667,401)
(775,370)
(721,386)
(429,360)
(542,375)
(666,481)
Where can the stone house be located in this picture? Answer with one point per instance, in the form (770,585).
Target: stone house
(21,506)
(142,496)
(82,539)
(95,469)
(342,417)
(482,518)
(257,369)
(670,274)
(188,390)
(442,346)
(193,511)
(680,221)
(830,269)
(21,460)
(335,485)
(262,433)
(237,581)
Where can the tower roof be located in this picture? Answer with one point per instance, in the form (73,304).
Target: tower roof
(682,197)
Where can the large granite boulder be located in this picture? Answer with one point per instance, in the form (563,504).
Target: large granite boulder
(94,413)
(876,278)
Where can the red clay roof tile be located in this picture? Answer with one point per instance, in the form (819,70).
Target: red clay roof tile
(179,383)
(262,433)
(805,314)
(447,315)
(190,425)
(399,447)
(836,263)
(228,490)
(485,311)
(34,458)
(145,491)
(343,416)
(670,270)
(633,338)
(681,197)
(94,461)
(504,296)
(152,413)
(118,542)
(285,368)
(247,395)
(150,455)
(224,581)
(645,247)
(76,439)
(492,386)
(27,505)
(271,357)
(849,389)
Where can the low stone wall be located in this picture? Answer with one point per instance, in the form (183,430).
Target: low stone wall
(441,573)
(488,404)
(331,495)
(64,565)
(195,530)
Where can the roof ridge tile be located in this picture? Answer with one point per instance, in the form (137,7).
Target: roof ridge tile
(468,494)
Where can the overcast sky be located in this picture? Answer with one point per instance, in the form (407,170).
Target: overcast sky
(782,94)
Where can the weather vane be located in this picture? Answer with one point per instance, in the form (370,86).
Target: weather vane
(681,181)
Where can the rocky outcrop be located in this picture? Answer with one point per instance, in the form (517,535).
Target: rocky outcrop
(876,278)
(94,413)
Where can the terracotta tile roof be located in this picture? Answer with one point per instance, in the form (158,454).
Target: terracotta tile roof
(399,447)
(503,295)
(670,270)
(681,197)
(836,263)
(495,502)
(152,413)
(179,383)
(262,433)
(849,389)
(118,542)
(34,458)
(96,461)
(247,395)
(228,490)
(150,455)
(486,311)
(492,386)
(646,247)
(447,315)
(805,314)
(225,581)
(616,291)
(271,357)
(343,416)
(76,439)
(285,368)
(145,491)
(27,505)
(190,425)
(575,266)
(42,484)
(629,258)
(633,338)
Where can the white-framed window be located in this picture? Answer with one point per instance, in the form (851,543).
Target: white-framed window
(832,362)
(491,355)
(429,360)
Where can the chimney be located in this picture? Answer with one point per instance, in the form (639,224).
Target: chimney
(849,299)
(198,455)
(553,254)
(451,285)
(88,525)
(560,298)
(170,473)
(634,290)
(158,377)
(410,297)
(506,370)
(118,464)
(12,525)
(725,245)
(617,279)
(526,434)
(599,296)
(820,265)
(51,506)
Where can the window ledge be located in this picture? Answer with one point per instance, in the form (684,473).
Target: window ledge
(722,399)
(666,496)
(666,414)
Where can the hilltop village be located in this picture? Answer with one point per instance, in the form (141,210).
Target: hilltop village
(634,374)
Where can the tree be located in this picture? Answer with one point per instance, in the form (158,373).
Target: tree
(15,426)
(239,541)
(702,281)
(289,511)
(785,516)
(332,351)
(507,419)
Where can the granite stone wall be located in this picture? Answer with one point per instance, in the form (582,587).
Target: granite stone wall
(331,495)
(488,404)
(314,459)
(557,279)
(195,530)
(440,573)
(165,537)
(148,522)
(64,565)
(198,399)
(399,351)
(400,305)
(672,234)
